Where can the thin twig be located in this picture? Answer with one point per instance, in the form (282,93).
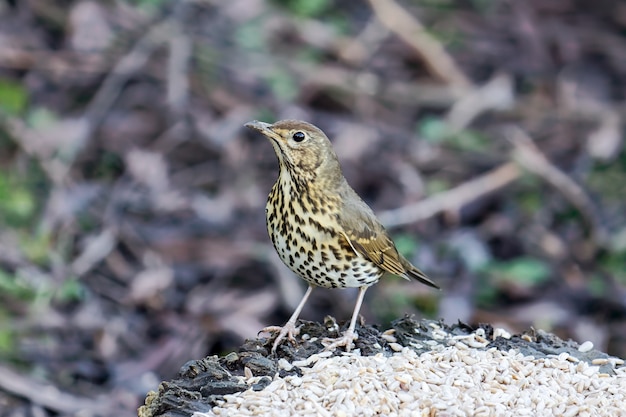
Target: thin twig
(411,30)
(496,94)
(532,159)
(454,199)
(360,48)
(359,82)
(181,48)
(127,66)
(49,396)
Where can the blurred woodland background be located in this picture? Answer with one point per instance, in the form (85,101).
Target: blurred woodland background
(487,134)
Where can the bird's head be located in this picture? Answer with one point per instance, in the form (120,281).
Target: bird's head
(302,149)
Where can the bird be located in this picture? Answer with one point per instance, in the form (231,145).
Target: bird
(320,227)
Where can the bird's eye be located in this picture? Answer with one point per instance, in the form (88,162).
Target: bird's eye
(298,136)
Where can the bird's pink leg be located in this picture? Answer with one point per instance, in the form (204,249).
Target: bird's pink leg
(289,329)
(349,335)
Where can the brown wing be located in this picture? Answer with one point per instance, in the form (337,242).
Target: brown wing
(370,239)
(377,248)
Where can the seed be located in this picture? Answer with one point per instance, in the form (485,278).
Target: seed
(453,380)
(585,347)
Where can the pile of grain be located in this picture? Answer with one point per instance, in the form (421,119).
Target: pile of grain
(450,381)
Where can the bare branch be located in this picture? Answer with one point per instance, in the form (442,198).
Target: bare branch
(532,159)
(411,30)
(454,199)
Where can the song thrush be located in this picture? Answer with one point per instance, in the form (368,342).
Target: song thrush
(322,230)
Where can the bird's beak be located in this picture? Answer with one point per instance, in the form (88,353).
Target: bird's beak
(262,127)
(265,129)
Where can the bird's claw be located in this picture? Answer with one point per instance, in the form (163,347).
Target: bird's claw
(289,330)
(346,340)
(270,329)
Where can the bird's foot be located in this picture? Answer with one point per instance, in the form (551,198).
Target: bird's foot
(289,330)
(346,340)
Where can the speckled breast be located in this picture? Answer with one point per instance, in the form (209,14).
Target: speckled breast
(305,234)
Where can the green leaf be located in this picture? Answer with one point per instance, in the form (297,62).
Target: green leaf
(470,140)
(13,286)
(486,294)
(436,130)
(530,202)
(7,335)
(308,8)
(41,118)
(437,185)
(150,6)
(22,204)
(13,97)
(70,290)
(527,272)
(405,244)
(432,129)
(251,36)
(282,85)
(597,286)
(608,179)
(17,203)
(613,262)
(36,247)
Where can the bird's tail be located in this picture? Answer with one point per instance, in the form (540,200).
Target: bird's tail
(413,272)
